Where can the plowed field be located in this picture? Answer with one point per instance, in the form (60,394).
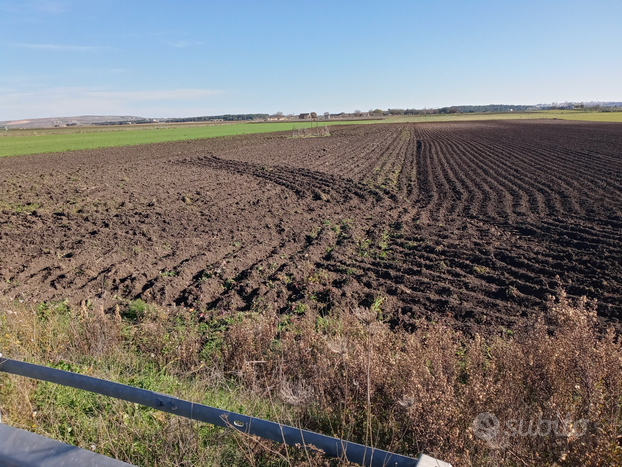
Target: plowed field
(476,222)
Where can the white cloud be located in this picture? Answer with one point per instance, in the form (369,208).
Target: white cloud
(172,94)
(182,44)
(45,7)
(51,6)
(61,47)
(72,101)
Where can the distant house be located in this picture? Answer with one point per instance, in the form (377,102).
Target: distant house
(276,118)
(308,116)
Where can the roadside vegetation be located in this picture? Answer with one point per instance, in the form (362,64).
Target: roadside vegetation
(23,142)
(346,373)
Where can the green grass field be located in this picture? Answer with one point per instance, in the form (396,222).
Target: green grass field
(20,145)
(22,142)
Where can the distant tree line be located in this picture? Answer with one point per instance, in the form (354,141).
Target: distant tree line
(588,106)
(592,106)
(225,118)
(490,108)
(459,109)
(124,122)
(455,109)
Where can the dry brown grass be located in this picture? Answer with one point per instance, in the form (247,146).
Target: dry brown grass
(350,375)
(347,374)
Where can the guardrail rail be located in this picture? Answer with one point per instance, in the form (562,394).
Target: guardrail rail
(332,447)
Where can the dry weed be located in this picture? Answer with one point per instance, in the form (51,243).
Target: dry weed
(350,375)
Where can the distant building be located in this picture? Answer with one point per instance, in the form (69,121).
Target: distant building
(308,116)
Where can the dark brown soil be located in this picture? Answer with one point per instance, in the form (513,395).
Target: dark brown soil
(477,222)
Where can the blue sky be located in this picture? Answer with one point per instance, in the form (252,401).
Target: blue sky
(164,59)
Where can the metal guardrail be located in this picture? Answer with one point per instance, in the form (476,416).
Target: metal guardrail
(332,447)
(20,448)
